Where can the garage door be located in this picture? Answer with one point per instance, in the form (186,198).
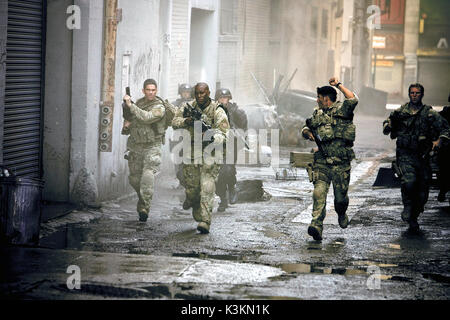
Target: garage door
(22,146)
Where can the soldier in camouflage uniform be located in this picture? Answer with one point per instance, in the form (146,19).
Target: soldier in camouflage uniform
(185,92)
(226,182)
(200,179)
(147,129)
(331,126)
(443,160)
(418,130)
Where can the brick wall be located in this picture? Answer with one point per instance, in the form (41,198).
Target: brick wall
(179,46)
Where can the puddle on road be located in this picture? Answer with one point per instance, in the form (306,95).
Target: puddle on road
(68,237)
(394,246)
(77,236)
(302,268)
(366,263)
(225,257)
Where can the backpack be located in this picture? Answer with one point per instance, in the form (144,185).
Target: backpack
(170,112)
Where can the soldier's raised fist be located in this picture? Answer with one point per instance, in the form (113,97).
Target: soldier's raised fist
(334,81)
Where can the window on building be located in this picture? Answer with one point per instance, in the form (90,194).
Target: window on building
(314,21)
(275,17)
(339,9)
(325,23)
(228,23)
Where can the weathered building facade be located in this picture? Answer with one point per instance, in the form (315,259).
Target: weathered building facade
(413,39)
(68,61)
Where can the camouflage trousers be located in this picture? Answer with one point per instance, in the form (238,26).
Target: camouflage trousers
(200,184)
(179,174)
(324,175)
(226,179)
(144,162)
(415,181)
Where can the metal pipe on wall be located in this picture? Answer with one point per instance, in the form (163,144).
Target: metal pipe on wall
(108,80)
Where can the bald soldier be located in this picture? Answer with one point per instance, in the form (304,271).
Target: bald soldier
(200,175)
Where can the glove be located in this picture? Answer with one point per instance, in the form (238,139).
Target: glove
(218,139)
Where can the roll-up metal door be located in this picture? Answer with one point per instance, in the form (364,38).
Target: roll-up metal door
(23,118)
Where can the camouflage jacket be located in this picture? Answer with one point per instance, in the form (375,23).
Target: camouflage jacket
(335,129)
(415,132)
(236,116)
(148,126)
(211,115)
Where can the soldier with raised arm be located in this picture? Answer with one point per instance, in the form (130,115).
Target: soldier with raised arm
(331,127)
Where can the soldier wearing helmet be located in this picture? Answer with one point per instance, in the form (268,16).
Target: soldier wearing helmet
(185,92)
(226,182)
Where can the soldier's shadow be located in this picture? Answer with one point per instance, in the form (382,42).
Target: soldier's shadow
(414,240)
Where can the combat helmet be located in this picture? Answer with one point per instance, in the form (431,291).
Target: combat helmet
(184,87)
(223,93)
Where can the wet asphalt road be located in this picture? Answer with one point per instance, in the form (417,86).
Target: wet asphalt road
(255,250)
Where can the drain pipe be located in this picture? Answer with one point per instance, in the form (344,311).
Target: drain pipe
(111,19)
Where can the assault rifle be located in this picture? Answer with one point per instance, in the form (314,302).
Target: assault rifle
(317,138)
(196,115)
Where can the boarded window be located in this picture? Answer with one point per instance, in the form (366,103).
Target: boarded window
(228,23)
(314,21)
(275,17)
(324,23)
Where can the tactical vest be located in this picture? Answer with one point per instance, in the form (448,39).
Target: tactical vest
(141,132)
(337,133)
(413,131)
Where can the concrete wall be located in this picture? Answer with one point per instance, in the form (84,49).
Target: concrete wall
(3,34)
(138,44)
(74,168)
(86,88)
(57,103)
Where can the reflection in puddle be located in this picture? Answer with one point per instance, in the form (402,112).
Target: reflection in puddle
(225,257)
(69,237)
(365,263)
(302,268)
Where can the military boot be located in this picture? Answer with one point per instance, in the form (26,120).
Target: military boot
(223,204)
(343,220)
(441,196)
(233,194)
(143,216)
(203,227)
(406,214)
(315,232)
(413,226)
